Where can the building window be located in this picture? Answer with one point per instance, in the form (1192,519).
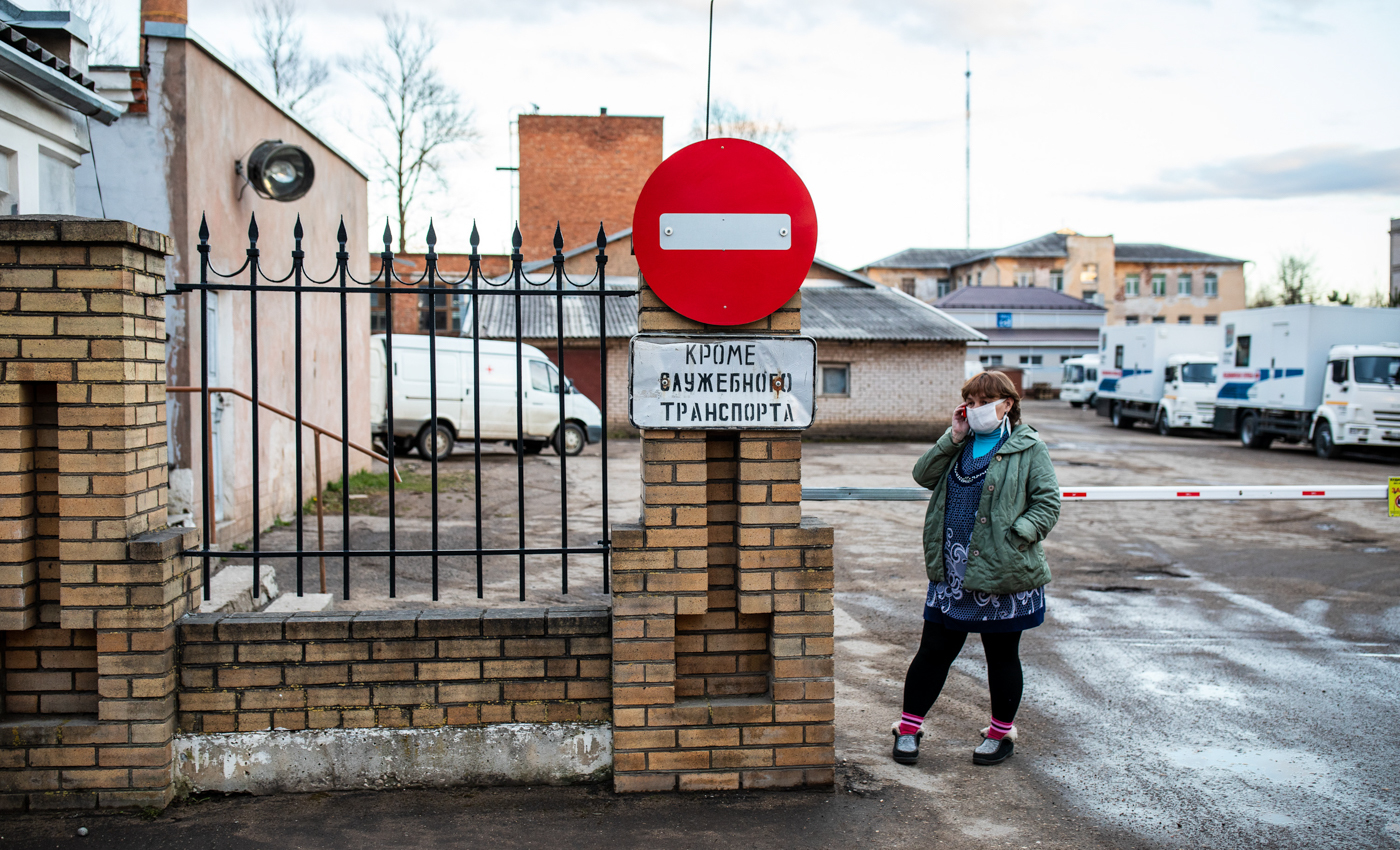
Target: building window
(1211,320)
(836,379)
(1057,280)
(1090,273)
(907,284)
(443,314)
(1211,286)
(1130,320)
(1159,320)
(979,278)
(1031,359)
(1025,280)
(1183,320)
(943,286)
(1183,284)
(1159,285)
(1064,357)
(1132,284)
(990,359)
(377,321)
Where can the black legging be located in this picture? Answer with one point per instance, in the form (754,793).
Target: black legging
(937,649)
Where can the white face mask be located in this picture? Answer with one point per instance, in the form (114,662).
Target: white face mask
(984,419)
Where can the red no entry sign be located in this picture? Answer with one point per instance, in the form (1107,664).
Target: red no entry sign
(724,231)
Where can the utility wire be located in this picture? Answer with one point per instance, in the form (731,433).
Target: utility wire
(96,176)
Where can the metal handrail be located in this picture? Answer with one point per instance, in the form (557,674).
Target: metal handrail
(320,488)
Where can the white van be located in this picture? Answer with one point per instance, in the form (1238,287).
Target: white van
(583,423)
(1081,380)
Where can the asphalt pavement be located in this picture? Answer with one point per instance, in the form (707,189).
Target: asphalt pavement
(1219,675)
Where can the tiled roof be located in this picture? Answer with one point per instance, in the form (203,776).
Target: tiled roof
(926,258)
(1012,298)
(1144,252)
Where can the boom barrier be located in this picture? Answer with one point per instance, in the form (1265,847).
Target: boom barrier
(1181,493)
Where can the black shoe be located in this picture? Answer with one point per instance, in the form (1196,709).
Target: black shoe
(906,747)
(993,752)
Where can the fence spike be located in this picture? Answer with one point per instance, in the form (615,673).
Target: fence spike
(432,236)
(602,238)
(515,238)
(253,228)
(388,236)
(558,239)
(296,230)
(203,228)
(475,237)
(341,235)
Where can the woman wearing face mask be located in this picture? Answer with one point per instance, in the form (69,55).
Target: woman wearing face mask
(995,497)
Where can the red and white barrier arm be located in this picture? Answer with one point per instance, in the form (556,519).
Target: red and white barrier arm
(1180,493)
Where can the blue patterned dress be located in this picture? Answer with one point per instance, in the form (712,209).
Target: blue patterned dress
(948,602)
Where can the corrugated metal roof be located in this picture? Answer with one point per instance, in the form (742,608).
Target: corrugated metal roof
(1012,298)
(1143,252)
(878,313)
(837,313)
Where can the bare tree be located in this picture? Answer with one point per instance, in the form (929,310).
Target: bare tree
(730,121)
(295,75)
(1296,279)
(107,35)
(417,118)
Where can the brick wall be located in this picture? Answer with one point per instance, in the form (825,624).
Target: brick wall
(348,670)
(899,390)
(578,170)
(90,584)
(722,635)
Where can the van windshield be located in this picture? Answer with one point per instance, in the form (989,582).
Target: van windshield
(1198,373)
(1074,374)
(1377,370)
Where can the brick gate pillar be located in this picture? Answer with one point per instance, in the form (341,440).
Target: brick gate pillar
(91,580)
(722,609)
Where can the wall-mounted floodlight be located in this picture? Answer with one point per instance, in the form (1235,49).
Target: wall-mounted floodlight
(278,171)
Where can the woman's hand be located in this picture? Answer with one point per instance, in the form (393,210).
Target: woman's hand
(960,426)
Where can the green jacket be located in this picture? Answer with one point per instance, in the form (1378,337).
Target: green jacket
(1020,504)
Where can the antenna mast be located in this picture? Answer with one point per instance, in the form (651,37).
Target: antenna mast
(967,151)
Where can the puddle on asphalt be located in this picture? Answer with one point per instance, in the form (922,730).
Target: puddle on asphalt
(1288,767)
(1375,550)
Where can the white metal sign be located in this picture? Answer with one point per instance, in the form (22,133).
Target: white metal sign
(726,232)
(759,383)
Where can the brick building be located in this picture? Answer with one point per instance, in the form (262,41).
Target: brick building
(1134,282)
(580,170)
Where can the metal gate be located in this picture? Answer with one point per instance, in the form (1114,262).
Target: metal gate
(340,286)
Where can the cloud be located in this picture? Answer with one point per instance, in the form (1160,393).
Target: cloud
(1302,172)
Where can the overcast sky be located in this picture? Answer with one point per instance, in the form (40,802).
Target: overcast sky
(1247,127)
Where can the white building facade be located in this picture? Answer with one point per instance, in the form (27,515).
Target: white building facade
(1027,328)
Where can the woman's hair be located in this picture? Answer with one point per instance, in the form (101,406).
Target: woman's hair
(995,386)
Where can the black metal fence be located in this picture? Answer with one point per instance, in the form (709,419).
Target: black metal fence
(251,278)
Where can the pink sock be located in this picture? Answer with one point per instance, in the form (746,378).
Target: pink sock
(910,724)
(999,730)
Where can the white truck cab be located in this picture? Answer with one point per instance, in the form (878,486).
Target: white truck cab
(1188,393)
(1360,399)
(1080,380)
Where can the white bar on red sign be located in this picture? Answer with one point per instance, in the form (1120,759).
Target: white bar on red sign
(726,231)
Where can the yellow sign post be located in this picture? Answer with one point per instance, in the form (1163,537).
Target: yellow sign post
(1393,498)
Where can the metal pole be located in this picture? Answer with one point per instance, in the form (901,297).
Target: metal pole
(967,151)
(709,65)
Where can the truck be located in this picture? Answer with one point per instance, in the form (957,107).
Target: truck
(414,427)
(1325,375)
(1161,374)
(1080,380)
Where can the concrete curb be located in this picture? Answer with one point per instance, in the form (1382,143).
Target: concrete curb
(281,761)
